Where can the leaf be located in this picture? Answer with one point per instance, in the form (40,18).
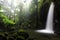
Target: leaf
(6,20)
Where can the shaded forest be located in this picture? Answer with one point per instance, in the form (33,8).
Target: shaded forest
(20,21)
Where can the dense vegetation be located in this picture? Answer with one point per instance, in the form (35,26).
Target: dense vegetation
(22,26)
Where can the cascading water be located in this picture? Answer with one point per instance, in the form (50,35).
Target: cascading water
(49,23)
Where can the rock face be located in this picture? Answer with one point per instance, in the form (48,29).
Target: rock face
(57,16)
(43,13)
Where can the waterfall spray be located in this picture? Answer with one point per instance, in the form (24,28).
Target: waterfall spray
(49,23)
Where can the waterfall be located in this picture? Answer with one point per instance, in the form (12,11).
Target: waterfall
(49,23)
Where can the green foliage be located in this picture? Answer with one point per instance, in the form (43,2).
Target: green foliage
(5,19)
(0,7)
(40,2)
